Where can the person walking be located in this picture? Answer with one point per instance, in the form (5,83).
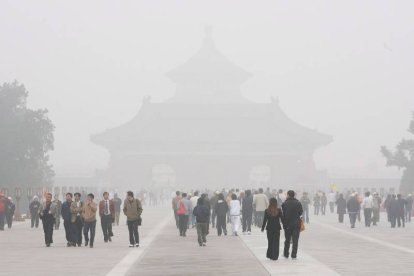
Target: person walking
(89,220)
(183,212)
(174,204)
(213,202)
(401,210)
(292,212)
(324,202)
(76,210)
(376,205)
(194,200)
(133,210)
(34,212)
(341,208)
(305,201)
(367,205)
(331,201)
(3,204)
(58,211)
(202,214)
(107,215)
(393,210)
(70,230)
(47,212)
(221,212)
(271,222)
(261,203)
(10,208)
(316,204)
(353,208)
(117,205)
(247,212)
(235,210)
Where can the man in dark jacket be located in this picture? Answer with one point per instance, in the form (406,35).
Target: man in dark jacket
(341,208)
(202,214)
(292,211)
(67,223)
(247,212)
(221,212)
(401,210)
(10,208)
(353,209)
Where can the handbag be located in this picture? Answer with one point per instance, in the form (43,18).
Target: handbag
(139,221)
(302,225)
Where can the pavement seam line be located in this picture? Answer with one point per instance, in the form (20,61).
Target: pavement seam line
(125,264)
(383,243)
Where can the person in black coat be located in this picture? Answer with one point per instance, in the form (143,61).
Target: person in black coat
(221,209)
(247,212)
(353,208)
(341,208)
(292,212)
(10,208)
(271,221)
(202,215)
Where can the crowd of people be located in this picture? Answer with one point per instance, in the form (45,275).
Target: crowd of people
(266,211)
(79,216)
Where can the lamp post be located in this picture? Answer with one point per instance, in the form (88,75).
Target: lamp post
(18,196)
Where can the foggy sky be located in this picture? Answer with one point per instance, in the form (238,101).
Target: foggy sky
(342,68)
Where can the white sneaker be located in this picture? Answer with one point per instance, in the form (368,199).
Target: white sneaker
(137,245)
(131,245)
(249,233)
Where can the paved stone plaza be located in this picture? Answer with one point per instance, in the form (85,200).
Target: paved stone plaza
(325,248)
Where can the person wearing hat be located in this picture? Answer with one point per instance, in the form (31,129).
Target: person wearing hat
(2,210)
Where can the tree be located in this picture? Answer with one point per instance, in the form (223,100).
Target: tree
(26,137)
(403,158)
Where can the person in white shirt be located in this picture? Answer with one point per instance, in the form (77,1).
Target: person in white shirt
(367,205)
(332,201)
(260,203)
(234,214)
(194,200)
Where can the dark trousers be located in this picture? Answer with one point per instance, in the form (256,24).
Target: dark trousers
(106,223)
(70,231)
(89,226)
(133,231)
(182,223)
(221,224)
(400,218)
(260,215)
(393,220)
(202,232)
(247,222)
(34,220)
(316,210)
(352,218)
(78,230)
(306,214)
(2,216)
(273,238)
(323,209)
(341,218)
(368,216)
(291,234)
(9,219)
(48,229)
(176,219)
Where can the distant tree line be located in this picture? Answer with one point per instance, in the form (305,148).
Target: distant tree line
(26,137)
(403,158)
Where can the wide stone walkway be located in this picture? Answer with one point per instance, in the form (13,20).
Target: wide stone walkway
(325,248)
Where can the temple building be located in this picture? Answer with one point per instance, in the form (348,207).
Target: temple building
(209,136)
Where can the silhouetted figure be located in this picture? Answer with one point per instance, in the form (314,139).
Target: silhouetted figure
(353,208)
(292,211)
(271,221)
(341,208)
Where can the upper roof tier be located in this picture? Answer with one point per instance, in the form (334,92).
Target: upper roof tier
(208,76)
